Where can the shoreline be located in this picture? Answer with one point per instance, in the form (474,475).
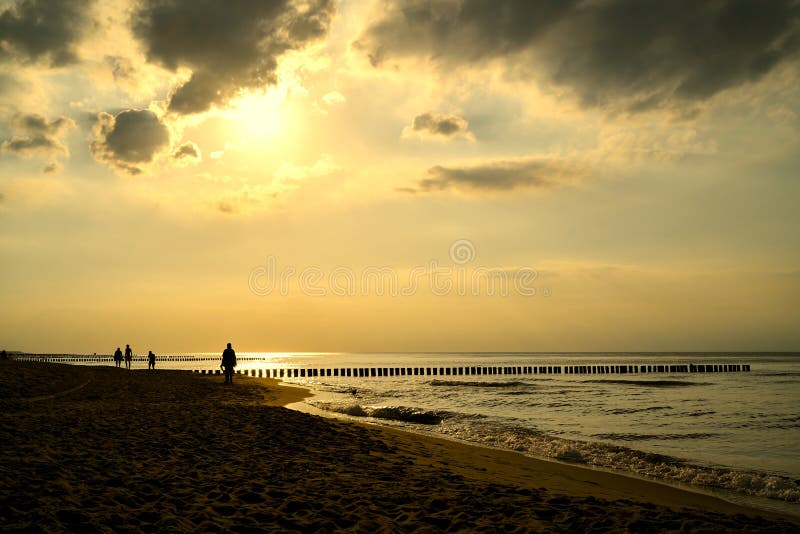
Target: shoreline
(106,449)
(706,455)
(732,502)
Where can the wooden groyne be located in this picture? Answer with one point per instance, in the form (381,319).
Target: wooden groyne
(438,371)
(380,372)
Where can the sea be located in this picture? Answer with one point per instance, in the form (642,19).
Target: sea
(732,434)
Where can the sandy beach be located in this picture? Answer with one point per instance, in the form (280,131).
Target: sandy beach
(104,449)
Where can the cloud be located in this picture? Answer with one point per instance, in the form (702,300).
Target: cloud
(434,125)
(409,190)
(330,99)
(226,208)
(36,124)
(122,68)
(187,153)
(37,137)
(334,97)
(54,167)
(33,146)
(130,139)
(239,195)
(289,176)
(43,30)
(498,176)
(650,142)
(458,31)
(619,53)
(7,83)
(125,73)
(229,49)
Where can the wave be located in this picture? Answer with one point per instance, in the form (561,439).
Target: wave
(619,411)
(608,456)
(780,424)
(391,413)
(698,413)
(623,436)
(337,388)
(478,384)
(479,429)
(649,383)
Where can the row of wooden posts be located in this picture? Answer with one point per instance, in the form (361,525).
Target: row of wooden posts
(369,372)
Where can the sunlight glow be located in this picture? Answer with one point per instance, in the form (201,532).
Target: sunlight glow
(261,116)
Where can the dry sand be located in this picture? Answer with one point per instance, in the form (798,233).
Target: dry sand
(105,449)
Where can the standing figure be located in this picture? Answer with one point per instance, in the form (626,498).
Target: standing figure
(128,356)
(118,357)
(228,363)
(151,360)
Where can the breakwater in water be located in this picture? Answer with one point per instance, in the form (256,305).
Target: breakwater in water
(375,372)
(379,371)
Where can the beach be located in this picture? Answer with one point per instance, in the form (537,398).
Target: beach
(105,449)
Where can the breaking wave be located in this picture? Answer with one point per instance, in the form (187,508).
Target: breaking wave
(642,463)
(591,453)
(391,413)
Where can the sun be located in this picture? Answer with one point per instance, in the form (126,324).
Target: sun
(261,116)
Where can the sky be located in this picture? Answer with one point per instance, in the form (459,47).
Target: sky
(407,175)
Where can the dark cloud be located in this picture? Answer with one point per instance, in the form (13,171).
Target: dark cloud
(53,167)
(229,47)
(43,30)
(187,151)
(458,31)
(498,176)
(37,137)
(33,145)
(131,138)
(38,125)
(435,125)
(634,54)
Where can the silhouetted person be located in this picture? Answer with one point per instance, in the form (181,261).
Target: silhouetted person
(151,360)
(228,363)
(118,357)
(128,356)
(3,354)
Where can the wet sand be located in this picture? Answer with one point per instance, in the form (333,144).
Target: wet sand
(104,449)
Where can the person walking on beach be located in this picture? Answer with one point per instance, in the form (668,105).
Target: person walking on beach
(128,356)
(118,357)
(151,360)
(228,363)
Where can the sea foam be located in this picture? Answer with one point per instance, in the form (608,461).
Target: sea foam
(646,464)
